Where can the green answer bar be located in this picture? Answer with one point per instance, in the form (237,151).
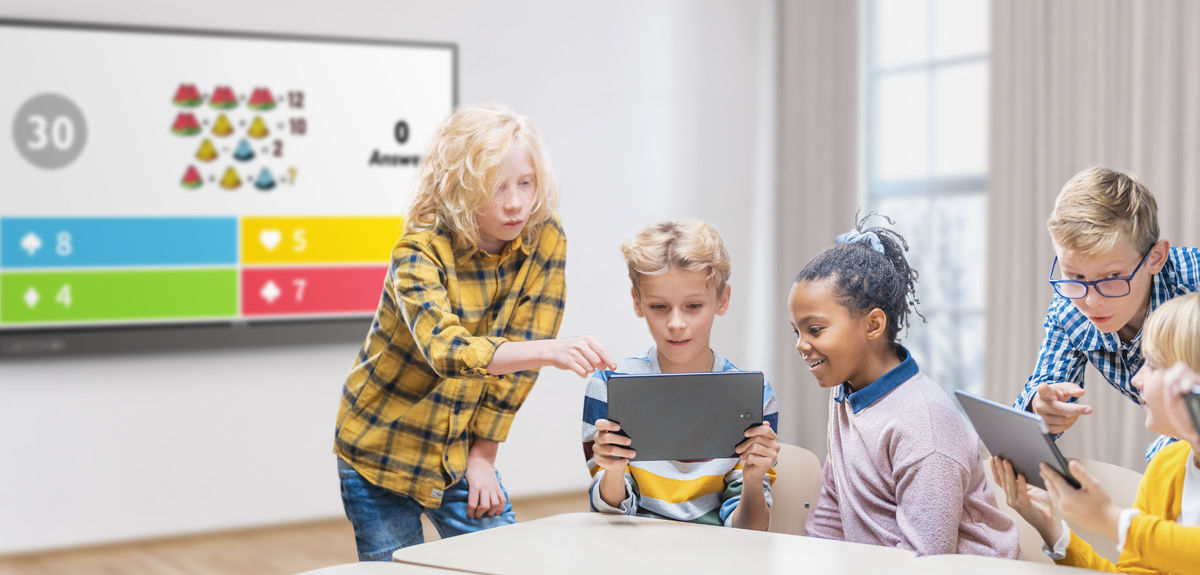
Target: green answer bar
(45,297)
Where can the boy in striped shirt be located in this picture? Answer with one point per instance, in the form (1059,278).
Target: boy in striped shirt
(679,272)
(1111,271)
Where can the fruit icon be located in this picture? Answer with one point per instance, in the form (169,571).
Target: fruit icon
(187,96)
(185,125)
(191,179)
(223,98)
(261,99)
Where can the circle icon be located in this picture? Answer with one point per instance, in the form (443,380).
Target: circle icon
(49,131)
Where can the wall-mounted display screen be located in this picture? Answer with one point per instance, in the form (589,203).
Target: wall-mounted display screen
(181,188)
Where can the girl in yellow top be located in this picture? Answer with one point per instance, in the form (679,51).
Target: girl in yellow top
(1161,533)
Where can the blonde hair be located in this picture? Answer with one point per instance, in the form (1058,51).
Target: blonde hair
(1099,207)
(462,168)
(689,245)
(1172,333)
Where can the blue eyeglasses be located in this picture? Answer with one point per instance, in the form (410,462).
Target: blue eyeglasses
(1108,287)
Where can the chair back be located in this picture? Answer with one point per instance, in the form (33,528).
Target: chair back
(796,490)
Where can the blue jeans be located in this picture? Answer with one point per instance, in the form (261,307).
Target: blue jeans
(385,521)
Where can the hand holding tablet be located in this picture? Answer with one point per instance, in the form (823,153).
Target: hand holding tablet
(1016,436)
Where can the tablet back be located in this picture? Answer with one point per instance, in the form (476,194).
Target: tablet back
(1017,436)
(686,415)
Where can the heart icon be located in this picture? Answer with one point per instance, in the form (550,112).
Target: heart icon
(269,238)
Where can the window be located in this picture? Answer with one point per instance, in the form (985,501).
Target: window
(926,128)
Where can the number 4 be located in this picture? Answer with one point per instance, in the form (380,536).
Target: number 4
(64,295)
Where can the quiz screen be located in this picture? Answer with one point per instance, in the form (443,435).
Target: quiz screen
(153,176)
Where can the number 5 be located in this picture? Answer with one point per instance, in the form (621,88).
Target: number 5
(299,243)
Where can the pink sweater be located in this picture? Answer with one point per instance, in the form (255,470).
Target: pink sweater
(904,470)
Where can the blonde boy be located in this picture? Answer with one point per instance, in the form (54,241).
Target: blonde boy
(1111,270)
(469,312)
(679,272)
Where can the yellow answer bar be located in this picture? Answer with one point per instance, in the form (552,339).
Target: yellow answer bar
(271,240)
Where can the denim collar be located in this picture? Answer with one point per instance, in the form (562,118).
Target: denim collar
(863,398)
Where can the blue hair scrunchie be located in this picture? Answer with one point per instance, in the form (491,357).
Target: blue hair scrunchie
(856,237)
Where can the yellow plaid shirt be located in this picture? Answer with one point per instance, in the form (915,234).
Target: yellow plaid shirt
(419,390)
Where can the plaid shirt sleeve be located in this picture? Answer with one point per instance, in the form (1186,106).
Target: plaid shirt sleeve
(537,316)
(448,347)
(1058,360)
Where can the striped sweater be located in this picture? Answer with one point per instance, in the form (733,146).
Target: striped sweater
(699,491)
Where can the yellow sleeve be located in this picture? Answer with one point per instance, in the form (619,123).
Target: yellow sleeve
(1081,554)
(536,315)
(1163,544)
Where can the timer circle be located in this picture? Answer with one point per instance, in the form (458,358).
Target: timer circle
(49,131)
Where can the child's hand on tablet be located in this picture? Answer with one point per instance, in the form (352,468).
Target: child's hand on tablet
(611,449)
(1032,503)
(758,452)
(1088,507)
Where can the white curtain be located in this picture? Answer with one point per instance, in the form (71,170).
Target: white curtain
(818,147)
(1077,83)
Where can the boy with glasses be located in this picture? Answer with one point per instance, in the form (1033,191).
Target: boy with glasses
(1111,270)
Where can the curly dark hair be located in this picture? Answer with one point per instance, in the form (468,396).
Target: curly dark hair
(864,279)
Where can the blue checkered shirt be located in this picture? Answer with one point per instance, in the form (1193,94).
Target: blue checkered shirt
(1072,340)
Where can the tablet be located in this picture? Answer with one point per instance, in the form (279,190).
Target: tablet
(686,415)
(1017,436)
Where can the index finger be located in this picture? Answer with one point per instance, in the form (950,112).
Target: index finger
(1066,408)
(602,353)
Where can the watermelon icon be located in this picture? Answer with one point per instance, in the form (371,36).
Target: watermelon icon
(191,179)
(185,125)
(187,96)
(223,98)
(261,99)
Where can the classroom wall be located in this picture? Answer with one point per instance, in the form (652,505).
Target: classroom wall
(649,110)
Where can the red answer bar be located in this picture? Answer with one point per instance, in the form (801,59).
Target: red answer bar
(317,289)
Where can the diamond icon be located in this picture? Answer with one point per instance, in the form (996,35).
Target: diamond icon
(31,243)
(270,292)
(31,297)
